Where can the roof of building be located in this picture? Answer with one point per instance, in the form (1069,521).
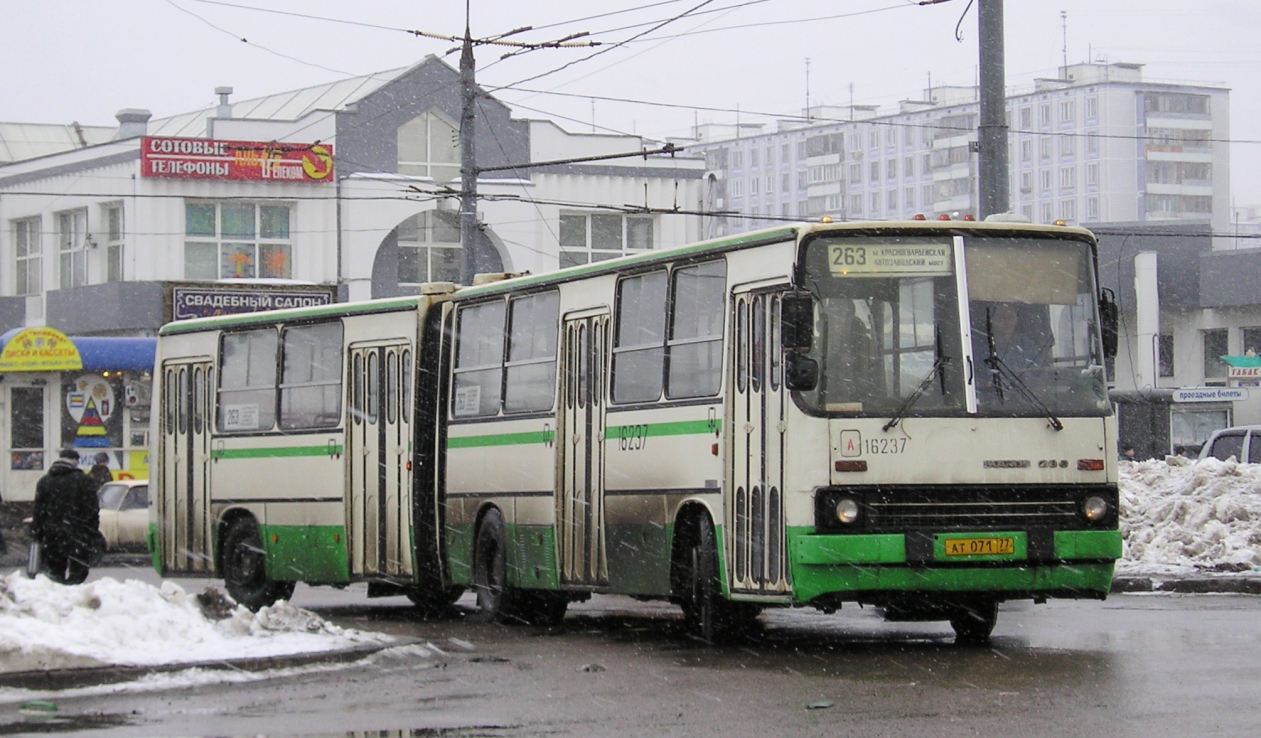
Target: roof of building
(22,141)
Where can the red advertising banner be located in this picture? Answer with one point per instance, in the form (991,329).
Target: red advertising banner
(201,158)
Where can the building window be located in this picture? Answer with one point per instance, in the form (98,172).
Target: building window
(1027,211)
(237,241)
(1026,181)
(1068,177)
(1068,145)
(1092,143)
(1215,347)
(909,204)
(753,186)
(1047,179)
(875,203)
(891,169)
(785,182)
(1048,212)
(27,266)
(891,200)
(1068,210)
(926,164)
(26,427)
(429,146)
(737,160)
(1068,111)
(586,238)
(1165,347)
(72,234)
(1092,175)
(783,154)
(752,157)
(908,167)
(429,248)
(1044,114)
(1092,208)
(874,139)
(114,233)
(926,196)
(1092,108)
(1026,119)
(875,171)
(1026,150)
(1045,145)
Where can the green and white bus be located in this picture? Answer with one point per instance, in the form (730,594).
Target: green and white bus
(910,415)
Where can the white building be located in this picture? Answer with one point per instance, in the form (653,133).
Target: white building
(1097,144)
(346,191)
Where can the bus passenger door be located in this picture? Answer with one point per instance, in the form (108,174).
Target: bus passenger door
(378,450)
(755,517)
(188,417)
(580,499)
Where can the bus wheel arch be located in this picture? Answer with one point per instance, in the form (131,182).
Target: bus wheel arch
(244,565)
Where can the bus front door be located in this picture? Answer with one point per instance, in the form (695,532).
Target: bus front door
(378,453)
(580,502)
(184,507)
(755,515)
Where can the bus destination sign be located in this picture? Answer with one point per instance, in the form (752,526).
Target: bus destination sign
(878,260)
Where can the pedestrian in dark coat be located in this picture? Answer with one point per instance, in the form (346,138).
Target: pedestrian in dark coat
(100,473)
(67,519)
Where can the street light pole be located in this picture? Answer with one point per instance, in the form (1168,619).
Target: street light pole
(468,164)
(992,135)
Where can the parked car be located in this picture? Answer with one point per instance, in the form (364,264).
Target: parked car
(125,514)
(1242,442)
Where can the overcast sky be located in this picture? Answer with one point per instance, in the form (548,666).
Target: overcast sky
(83,60)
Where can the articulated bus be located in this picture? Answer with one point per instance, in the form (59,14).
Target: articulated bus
(908,415)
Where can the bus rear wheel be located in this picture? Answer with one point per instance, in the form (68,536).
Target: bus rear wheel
(245,567)
(974,622)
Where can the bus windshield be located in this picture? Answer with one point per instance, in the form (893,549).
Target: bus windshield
(889,327)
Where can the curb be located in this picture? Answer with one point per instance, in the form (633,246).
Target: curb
(1250,585)
(58,679)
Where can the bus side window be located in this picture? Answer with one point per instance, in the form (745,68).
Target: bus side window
(356,383)
(247,377)
(311,376)
(696,327)
(479,360)
(639,347)
(530,376)
(405,381)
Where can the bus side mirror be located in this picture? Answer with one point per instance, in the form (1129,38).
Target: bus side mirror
(801,373)
(796,322)
(1110,320)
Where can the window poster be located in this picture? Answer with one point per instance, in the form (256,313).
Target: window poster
(92,416)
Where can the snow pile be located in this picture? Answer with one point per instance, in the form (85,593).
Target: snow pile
(1181,516)
(44,625)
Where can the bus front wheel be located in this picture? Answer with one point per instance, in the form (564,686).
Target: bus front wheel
(245,567)
(708,615)
(974,622)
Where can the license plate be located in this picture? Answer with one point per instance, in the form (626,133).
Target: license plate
(980,546)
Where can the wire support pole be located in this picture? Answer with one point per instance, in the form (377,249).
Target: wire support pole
(469,240)
(992,132)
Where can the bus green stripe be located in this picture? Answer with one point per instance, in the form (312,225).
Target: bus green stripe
(682,428)
(501,439)
(276,452)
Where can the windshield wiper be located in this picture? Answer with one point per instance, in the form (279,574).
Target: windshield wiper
(999,369)
(937,370)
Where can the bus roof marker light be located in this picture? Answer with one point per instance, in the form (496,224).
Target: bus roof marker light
(944,216)
(919,216)
(969,217)
(825,219)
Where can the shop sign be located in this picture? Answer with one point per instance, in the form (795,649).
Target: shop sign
(1210,394)
(40,349)
(201,302)
(200,158)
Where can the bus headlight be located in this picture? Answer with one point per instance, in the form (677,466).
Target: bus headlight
(1094,508)
(847,510)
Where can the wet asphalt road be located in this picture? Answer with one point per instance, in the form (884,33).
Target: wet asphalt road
(1136,665)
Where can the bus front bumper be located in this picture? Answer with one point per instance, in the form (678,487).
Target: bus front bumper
(834,566)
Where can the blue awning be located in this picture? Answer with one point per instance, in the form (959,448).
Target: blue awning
(107,354)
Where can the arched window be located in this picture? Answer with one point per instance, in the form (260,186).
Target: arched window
(429,248)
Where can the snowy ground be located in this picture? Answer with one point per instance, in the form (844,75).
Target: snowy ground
(44,625)
(1180,516)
